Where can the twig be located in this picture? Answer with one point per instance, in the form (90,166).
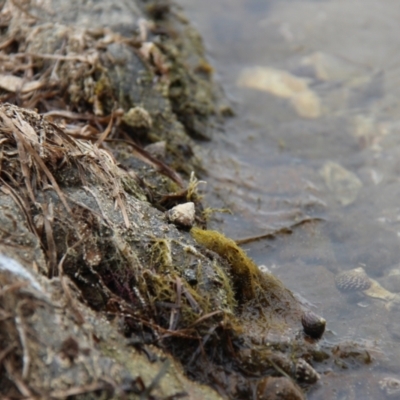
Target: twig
(193,303)
(51,244)
(285,230)
(204,317)
(7,42)
(105,218)
(9,190)
(19,134)
(279,369)
(6,351)
(62,394)
(56,57)
(26,359)
(202,343)
(83,117)
(21,8)
(166,332)
(146,157)
(163,370)
(106,132)
(78,315)
(175,311)
(12,287)
(116,187)
(19,383)
(23,159)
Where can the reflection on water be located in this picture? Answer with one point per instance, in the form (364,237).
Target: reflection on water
(315,147)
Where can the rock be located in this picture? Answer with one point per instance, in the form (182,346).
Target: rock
(344,184)
(305,373)
(131,266)
(285,85)
(328,67)
(75,344)
(13,267)
(278,389)
(277,82)
(182,214)
(158,149)
(391,387)
(307,104)
(391,280)
(138,118)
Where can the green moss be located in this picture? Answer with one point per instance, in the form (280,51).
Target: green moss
(227,285)
(161,257)
(248,280)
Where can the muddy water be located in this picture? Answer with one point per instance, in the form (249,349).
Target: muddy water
(313,157)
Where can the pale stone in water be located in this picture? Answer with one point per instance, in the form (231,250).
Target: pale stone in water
(182,214)
(328,67)
(277,82)
(369,132)
(307,104)
(344,184)
(391,387)
(285,85)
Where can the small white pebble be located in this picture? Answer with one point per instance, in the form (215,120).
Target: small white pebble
(182,214)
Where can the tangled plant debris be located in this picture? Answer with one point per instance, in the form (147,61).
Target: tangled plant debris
(101,294)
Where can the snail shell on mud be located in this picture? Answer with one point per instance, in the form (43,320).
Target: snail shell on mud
(353,280)
(305,373)
(313,324)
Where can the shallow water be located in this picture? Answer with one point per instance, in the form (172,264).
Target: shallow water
(314,147)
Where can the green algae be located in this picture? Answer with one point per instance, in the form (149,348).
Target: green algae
(249,281)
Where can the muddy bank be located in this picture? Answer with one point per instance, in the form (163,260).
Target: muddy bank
(108,288)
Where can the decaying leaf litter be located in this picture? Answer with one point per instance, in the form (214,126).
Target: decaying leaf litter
(100,294)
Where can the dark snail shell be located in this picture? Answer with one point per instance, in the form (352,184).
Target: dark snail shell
(305,373)
(353,280)
(313,324)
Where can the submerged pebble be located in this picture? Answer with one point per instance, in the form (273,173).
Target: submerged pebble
(328,67)
(343,184)
(391,387)
(392,280)
(285,85)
